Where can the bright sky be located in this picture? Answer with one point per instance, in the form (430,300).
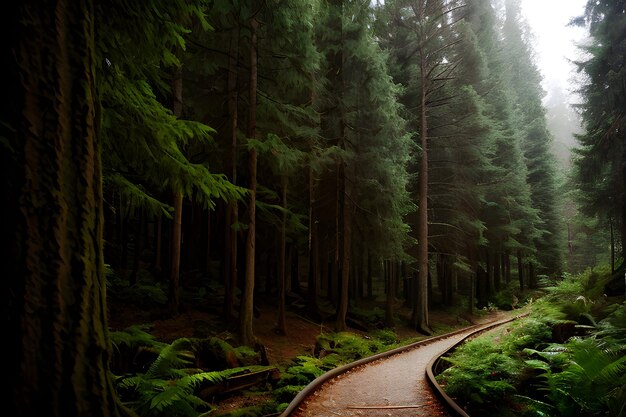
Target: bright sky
(554,40)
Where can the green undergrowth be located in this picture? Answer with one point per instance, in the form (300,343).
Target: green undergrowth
(331,350)
(160,379)
(179,379)
(567,359)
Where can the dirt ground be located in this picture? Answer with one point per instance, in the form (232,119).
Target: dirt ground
(203,321)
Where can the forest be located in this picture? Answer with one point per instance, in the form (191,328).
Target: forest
(194,187)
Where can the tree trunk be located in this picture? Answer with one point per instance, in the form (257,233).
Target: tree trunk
(323,262)
(207,253)
(370,290)
(497,271)
(123,240)
(157,245)
(360,277)
(520,270)
(342,311)
(232,212)
(282,323)
(314,273)
(174,281)
(389,278)
(176,238)
(621,287)
(489,258)
(295,270)
(54,299)
(472,293)
(441,278)
(507,267)
(419,318)
(247,297)
(139,239)
(481,286)
(612,246)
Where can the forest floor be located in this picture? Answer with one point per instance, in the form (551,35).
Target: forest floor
(202,319)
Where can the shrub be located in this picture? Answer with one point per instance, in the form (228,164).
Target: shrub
(481,373)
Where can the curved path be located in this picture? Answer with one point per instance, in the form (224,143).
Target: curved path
(395,384)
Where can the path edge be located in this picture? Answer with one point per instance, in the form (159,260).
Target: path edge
(317,382)
(451,405)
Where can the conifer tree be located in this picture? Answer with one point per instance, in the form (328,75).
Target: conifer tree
(530,116)
(599,161)
(508,214)
(55,300)
(146,147)
(421,45)
(360,116)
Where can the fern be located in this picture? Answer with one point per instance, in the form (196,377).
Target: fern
(583,376)
(170,386)
(133,337)
(171,359)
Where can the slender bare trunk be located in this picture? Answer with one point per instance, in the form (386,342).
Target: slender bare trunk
(390,279)
(520,270)
(232,211)
(157,245)
(174,283)
(342,312)
(420,308)
(282,324)
(313,279)
(247,299)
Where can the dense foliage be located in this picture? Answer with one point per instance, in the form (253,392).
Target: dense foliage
(336,118)
(567,359)
(321,153)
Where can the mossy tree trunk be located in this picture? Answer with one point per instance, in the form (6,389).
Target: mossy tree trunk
(247,297)
(54,299)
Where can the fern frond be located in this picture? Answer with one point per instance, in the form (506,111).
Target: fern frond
(175,356)
(614,371)
(166,398)
(190,382)
(132,382)
(133,337)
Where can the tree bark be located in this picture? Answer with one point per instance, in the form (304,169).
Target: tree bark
(174,281)
(497,268)
(176,239)
(295,270)
(370,290)
(314,270)
(247,299)
(232,212)
(282,323)
(207,252)
(506,259)
(390,279)
(419,318)
(139,239)
(520,270)
(54,295)
(157,245)
(342,311)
